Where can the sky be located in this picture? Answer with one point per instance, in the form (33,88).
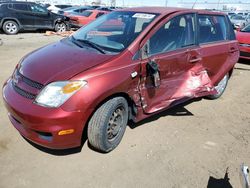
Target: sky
(144,2)
(200,4)
(170,2)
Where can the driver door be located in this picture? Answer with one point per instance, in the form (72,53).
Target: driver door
(170,61)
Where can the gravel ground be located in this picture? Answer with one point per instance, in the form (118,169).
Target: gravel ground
(185,147)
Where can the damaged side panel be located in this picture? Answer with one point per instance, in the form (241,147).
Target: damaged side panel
(179,81)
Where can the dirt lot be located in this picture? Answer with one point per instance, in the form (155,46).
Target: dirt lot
(180,148)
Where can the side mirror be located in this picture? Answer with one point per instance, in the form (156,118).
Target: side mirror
(145,50)
(153,72)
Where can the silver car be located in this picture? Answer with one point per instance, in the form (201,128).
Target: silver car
(240,21)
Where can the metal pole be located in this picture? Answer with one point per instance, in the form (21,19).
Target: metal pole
(218,4)
(194,4)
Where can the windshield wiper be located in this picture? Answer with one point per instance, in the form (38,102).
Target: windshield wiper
(75,42)
(187,45)
(92,44)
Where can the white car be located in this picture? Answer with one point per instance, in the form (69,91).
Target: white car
(240,21)
(56,8)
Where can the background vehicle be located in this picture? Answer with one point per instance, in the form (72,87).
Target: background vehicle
(243,36)
(74,10)
(240,21)
(56,8)
(97,80)
(15,16)
(80,19)
(230,14)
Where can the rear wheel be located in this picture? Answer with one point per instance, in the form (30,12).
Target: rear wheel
(10,27)
(220,87)
(107,125)
(60,27)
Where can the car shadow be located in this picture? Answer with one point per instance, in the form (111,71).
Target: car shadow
(22,32)
(178,110)
(244,61)
(219,183)
(61,152)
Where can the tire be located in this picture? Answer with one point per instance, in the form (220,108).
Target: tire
(107,125)
(10,27)
(220,87)
(60,27)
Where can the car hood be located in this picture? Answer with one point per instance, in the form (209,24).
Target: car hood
(60,61)
(243,37)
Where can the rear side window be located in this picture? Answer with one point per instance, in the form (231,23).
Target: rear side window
(212,28)
(81,10)
(231,30)
(21,7)
(179,32)
(86,13)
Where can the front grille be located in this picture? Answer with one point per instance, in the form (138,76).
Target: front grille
(29,82)
(245,54)
(22,92)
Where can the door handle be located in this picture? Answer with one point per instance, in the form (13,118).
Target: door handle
(232,50)
(195,59)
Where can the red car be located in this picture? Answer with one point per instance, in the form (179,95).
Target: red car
(243,36)
(84,18)
(102,76)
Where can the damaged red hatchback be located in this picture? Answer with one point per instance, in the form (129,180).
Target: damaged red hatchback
(126,65)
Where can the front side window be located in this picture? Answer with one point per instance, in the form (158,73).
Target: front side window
(177,33)
(37,9)
(114,32)
(212,28)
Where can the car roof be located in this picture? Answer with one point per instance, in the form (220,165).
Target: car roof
(19,2)
(167,10)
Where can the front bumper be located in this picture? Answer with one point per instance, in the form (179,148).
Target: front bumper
(41,125)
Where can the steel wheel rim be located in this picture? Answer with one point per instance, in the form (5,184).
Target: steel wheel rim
(221,85)
(61,27)
(115,124)
(11,28)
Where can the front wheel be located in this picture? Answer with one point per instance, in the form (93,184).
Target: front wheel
(220,87)
(107,125)
(60,27)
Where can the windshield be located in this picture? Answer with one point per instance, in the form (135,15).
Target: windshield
(246,29)
(115,31)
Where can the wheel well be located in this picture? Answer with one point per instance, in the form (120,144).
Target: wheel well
(9,19)
(59,21)
(131,105)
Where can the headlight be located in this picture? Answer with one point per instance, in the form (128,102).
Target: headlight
(57,93)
